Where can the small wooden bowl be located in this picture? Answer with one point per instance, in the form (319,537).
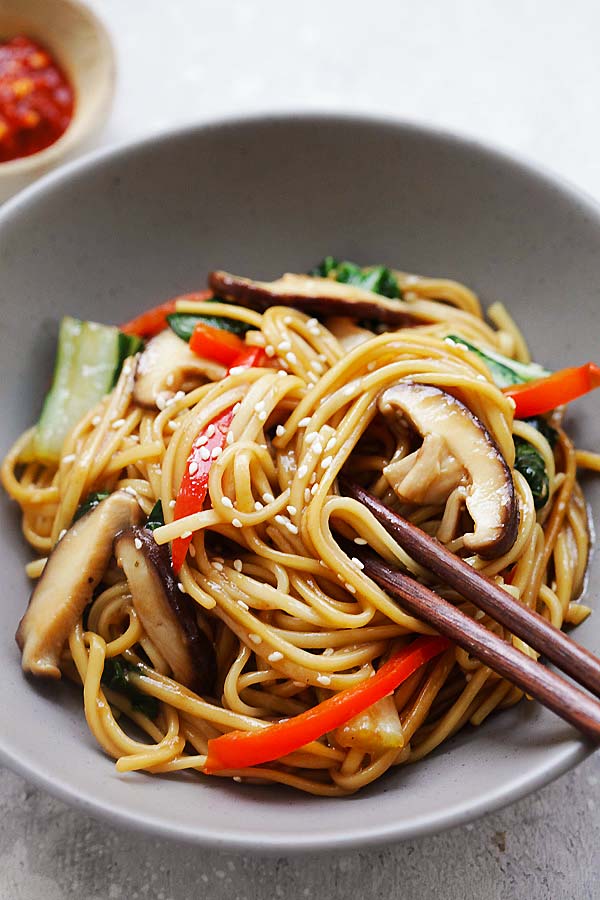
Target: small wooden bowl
(82,46)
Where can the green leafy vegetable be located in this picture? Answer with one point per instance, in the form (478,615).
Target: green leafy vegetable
(504,371)
(116,677)
(156,517)
(544,427)
(90,502)
(377,279)
(531,466)
(183,324)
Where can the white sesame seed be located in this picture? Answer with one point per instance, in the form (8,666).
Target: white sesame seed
(291,358)
(282,520)
(210,431)
(317,447)
(316,365)
(283,346)
(312,322)
(324,679)
(303,423)
(322,357)
(312,377)
(186,534)
(268,498)
(180,587)
(172,504)
(69,458)
(259,405)
(227,502)
(313,478)
(360,541)
(235,408)
(237,779)
(229,439)
(237,370)
(315,488)
(371,366)
(62,534)
(170,380)
(193,467)
(330,444)
(262,416)
(174,424)
(280,431)
(201,441)
(237,565)
(216,451)
(287,320)
(302,471)
(204,453)
(328,652)
(130,490)
(243,604)
(255,638)
(292,510)
(218,566)
(258,505)
(358,562)
(307,495)
(178,396)
(236,523)
(350,588)
(96,420)
(270,350)
(275,656)
(325,463)
(293,529)
(281,372)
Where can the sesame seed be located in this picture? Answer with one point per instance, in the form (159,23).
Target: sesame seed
(96,420)
(280,431)
(312,322)
(317,447)
(325,463)
(270,350)
(315,488)
(255,638)
(243,604)
(235,408)
(210,431)
(237,779)
(330,444)
(350,588)
(262,416)
(130,490)
(360,541)
(62,534)
(275,656)
(258,505)
(174,424)
(324,679)
(69,458)
(316,365)
(260,405)
(328,652)
(236,523)
(292,510)
(291,358)
(302,471)
(218,566)
(170,380)
(201,441)
(307,495)
(293,529)
(216,451)
(312,377)
(229,439)
(281,372)
(357,562)
(180,587)
(313,478)
(287,320)
(204,453)
(237,370)
(371,366)
(237,565)
(282,520)
(193,468)
(303,423)
(186,534)
(172,504)
(227,502)
(268,498)
(283,346)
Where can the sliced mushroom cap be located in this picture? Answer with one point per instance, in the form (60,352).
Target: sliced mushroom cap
(165,612)
(348,334)
(165,365)
(457,449)
(319,296)
(73,571)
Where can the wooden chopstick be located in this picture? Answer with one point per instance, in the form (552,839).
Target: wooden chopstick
(551,689)
(569,656)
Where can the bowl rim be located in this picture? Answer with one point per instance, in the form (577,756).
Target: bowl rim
(74,134)
(574,751)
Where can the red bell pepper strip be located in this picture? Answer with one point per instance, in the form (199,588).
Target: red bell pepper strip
(545,394)
(216,343)
(153,321)
(194,484)
(240,749)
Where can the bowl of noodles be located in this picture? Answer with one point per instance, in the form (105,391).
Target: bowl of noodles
(202,335)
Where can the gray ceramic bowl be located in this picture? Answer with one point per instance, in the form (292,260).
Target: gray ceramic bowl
(111,235)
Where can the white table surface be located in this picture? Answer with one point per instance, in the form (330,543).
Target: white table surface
(523,74)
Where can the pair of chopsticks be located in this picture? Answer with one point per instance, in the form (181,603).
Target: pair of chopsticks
(548,687)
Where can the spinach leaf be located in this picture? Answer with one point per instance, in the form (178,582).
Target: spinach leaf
(183,324)
(90,502)
(544,427)
(116,677)
(156,517)
(531,466)
(327,265)
(378,279)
